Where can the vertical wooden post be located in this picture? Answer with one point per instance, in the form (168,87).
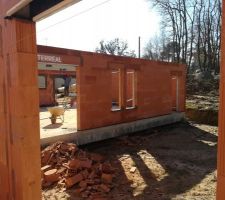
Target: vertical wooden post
(221,138)
(19,111)
(4,161)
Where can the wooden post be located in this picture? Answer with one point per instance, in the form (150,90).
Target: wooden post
(221,138)
(19,111)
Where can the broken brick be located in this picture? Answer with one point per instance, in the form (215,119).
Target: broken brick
(77,192)
(45,157)
(65,147)
(105,188)
(83,184)
(97,181)
(86,164)
(85,174)
(92,175)
(90,182)
(51,176)
(44,169)
(73,180)
(98,196)
(85,194)
(106,178)
(45,184)
(106,168)
(61,170)
(97,157)
(74,164)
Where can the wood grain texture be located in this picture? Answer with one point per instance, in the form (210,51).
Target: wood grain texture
(221,138)
(19,113)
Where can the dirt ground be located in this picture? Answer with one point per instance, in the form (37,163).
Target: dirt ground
(173,162)
(203,108)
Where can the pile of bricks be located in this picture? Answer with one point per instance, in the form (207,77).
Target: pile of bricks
(88,173)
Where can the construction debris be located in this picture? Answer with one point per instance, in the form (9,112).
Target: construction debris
(88,173)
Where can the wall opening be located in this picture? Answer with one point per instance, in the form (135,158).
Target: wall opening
(116,89)
(130,89)
(42,81)
(175,93)
(58,98)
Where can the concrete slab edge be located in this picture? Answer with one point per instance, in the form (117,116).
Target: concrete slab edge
(99,134)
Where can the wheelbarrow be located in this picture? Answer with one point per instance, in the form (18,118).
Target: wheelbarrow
(56,113)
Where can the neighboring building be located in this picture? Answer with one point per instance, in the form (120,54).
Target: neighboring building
(52,69)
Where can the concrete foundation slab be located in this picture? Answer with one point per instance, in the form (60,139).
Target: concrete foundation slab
(98,134)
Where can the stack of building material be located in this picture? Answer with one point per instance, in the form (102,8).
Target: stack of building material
(88,173)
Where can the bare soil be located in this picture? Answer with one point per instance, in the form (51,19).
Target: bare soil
(203,108)
(174,162)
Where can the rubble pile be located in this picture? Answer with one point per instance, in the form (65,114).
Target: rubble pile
(88,173)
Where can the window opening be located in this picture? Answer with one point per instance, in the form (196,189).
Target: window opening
(42,81)
(175,94)
(130,89)
(115,78)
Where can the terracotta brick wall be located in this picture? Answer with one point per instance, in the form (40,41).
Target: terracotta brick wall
(153,89)
(97,88)
(46,96)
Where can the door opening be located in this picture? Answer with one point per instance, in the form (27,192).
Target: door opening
(175,93)
(58,113)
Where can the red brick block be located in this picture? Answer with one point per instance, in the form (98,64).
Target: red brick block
(83,184)
(74,164)
(73,180)
(51,176)
(105,188)
(86,164)
(97,157)
(44,169)
(85,174)
(106,178)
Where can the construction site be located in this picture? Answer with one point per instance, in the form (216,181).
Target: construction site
(83,125)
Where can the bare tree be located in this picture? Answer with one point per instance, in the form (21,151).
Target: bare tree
(194,27)
(154,49)
(115,47)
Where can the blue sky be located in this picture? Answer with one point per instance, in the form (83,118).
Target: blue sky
(84,24)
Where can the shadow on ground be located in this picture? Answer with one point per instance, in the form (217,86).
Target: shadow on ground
(53,126)
(173,162)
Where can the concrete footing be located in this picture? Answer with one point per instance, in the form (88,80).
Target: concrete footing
(99,134)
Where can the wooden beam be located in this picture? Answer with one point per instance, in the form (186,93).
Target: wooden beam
(18,6)
(60,6)
(19,112)
(221,137)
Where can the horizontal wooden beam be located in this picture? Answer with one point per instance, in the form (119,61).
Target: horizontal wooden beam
(60,6)
(35,10)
